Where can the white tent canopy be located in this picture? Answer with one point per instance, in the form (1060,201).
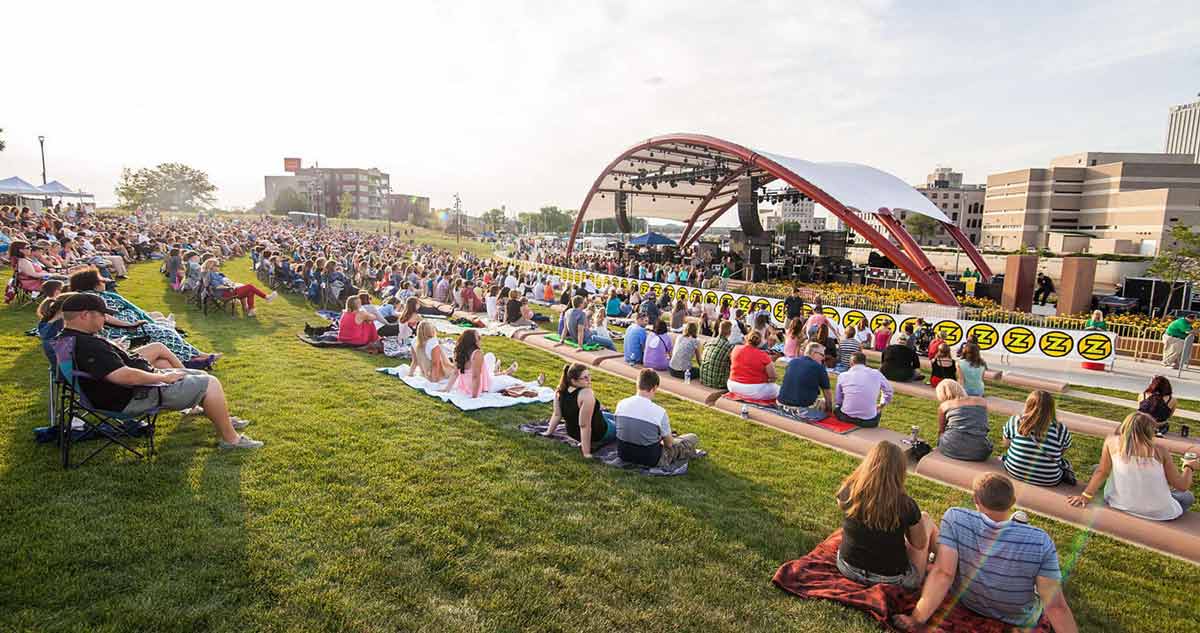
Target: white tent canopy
(16,187)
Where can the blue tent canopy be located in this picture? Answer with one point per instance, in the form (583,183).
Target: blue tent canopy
(652,239)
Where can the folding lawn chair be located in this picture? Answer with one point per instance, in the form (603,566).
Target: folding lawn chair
(112,427)
(208,295)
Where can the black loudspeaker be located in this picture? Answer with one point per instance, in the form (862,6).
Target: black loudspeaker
(747,204)
(833,244)
(624,225)
(957,287)
(737,242)
(1155,295)
(993,291)
(755,270)
(876,260)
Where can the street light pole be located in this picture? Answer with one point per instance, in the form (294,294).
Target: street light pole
(457,219)
(42,143)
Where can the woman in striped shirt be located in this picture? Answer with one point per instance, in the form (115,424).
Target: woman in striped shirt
(1036,443)
(847,347)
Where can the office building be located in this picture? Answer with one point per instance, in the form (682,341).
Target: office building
(1097,202)
(1183,130)
(404,206)
(799,210)
(963,204)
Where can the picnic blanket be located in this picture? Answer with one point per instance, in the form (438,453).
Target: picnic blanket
(449,327)
(816,576)
(330,315)
(319,342)
(815,417)
(762,404)
(607,454)
(463,402)
(587,347)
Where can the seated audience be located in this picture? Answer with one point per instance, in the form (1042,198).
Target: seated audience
(714,366)
(658,347)
(942,367)
(644,430)
(883,337)
(886,539)
(574,401)
(997,567)
(357,326)
(970,370)
(962,422)
(1142,477)
(429,357)
(517,312)
(474,372)
(635,339)
(751,370)
(861,394)
(122,382)
(687,349)
(1158,402)
(678,315)
(793,339)
(1037,443)
(805,380)
(228,289)
(614,307)
(847,347)
(900,362)
(127,319)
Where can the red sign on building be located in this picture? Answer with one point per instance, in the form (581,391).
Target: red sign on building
(291,164)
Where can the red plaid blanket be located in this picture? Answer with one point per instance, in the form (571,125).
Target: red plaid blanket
(817,576)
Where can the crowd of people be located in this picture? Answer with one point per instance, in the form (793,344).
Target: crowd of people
(388,287)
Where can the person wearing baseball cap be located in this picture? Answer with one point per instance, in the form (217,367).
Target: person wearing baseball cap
(131,385)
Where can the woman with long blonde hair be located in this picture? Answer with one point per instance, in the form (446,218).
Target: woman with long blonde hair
(1037,444)
(1142,477)
(886,539)
(428,355)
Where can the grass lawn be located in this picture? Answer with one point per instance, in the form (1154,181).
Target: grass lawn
(1184,403)
(375,508)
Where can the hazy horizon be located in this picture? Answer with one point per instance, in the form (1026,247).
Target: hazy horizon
(523,105)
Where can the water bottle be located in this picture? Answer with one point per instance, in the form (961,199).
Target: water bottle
(687,376)
(745,412)
(1187,457)
(915,436)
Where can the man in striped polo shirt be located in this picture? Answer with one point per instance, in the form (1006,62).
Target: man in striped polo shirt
(997,567)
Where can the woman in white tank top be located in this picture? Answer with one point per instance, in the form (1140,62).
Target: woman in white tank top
(1142,477)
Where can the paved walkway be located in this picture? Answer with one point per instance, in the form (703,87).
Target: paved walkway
(1127,374)
(1096,397)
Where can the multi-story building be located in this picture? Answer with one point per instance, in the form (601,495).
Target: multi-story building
(799,210)
(963,204)
(1183,130)
(365,189)
(1103,202)
(403,206)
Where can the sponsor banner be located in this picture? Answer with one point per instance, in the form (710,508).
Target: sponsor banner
(999,338)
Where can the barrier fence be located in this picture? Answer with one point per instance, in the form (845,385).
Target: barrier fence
(1138,342)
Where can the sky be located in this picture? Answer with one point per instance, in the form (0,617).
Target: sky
(523,103)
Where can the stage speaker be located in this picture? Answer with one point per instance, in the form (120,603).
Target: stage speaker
(737,242)
(833,244)
(754,269)
(624,224)
(877,260)
(1153,294)
(747,204)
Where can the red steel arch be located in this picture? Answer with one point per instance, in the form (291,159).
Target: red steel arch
(747,162)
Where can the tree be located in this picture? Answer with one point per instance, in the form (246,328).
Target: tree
(289,200)
(548,219)
(345,204)
(1,140)
(1180,262)
(494,219)
(168,186)
(921,226)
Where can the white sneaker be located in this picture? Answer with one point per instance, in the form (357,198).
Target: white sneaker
(271,297)
(243,442)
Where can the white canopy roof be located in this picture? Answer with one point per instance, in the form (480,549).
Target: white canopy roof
(860,187)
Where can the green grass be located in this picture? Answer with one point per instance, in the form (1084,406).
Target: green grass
(1184,403)
(375,508)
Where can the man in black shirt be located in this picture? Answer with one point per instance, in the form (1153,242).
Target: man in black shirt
(130,385)
(795,305)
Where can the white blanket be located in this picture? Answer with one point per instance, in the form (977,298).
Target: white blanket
(446,327)
(463,402)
